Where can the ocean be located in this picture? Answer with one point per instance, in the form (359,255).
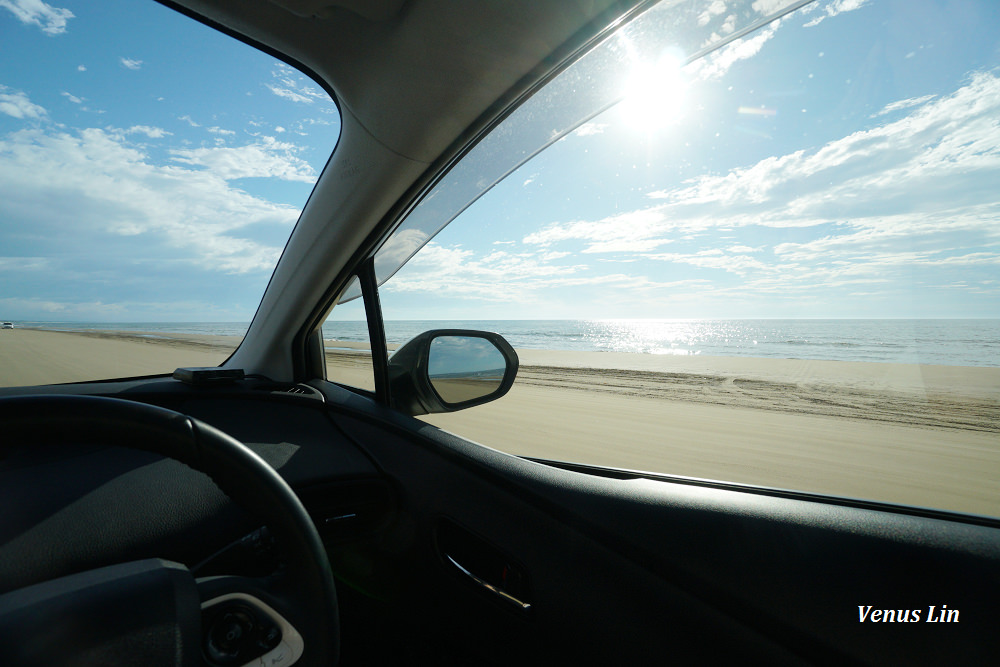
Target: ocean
(973,342)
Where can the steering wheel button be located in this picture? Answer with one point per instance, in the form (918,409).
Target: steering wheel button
(269,638)
(225,638)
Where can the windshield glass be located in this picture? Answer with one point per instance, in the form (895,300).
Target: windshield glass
(151,171)
(774,263)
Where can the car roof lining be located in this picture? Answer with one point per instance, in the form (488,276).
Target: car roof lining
(373,10)
(445,62)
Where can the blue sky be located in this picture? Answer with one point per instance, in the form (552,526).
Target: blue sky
(842,162)
(138,183)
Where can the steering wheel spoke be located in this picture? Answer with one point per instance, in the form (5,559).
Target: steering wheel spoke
(147,610)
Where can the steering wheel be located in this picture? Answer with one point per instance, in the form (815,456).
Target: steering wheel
(154,612)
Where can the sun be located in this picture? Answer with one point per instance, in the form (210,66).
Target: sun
(655,94)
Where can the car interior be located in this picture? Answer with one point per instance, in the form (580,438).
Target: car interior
(261,513)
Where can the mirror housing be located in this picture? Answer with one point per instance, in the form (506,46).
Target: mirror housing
(444,370)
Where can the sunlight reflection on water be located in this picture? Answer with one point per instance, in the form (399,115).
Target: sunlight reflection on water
(672,337)
(955,342)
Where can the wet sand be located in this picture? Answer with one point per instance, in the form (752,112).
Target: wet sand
(905,433)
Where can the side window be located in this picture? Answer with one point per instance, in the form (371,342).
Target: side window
(774,271)
(347,346)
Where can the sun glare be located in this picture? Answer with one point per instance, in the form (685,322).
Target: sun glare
(655,94)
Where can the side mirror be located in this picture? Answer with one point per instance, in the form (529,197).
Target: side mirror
(445,370)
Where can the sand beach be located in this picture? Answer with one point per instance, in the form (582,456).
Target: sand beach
(914,434)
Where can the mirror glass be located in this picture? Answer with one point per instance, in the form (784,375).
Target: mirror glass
(463,368)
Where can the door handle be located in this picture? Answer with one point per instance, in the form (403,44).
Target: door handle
(495,590)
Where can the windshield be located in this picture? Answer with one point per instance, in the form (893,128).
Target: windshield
(151,171)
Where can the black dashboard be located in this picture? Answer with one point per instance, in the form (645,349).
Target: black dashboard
(109,504)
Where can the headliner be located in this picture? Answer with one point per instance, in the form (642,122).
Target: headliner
(446,62)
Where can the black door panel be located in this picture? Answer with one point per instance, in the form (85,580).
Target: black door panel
(638,566)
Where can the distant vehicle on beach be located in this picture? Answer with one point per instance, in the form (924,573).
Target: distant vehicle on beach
(7,325)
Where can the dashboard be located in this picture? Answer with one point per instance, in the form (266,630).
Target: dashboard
(102,505)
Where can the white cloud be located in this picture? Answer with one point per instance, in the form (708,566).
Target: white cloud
(219,130)
(916,192)
(903,104)
(882,236)
(291,85)
(268,158)
(21,264)
(729,25)
(715,65)
(929,150)
(52,20)
(300,125)
(718,63)
(971,259)
(834,8)
(399,248)
(769,7)
(188,120)
(290,94)
(151,132)
(498,276)
(717,7)
(110,189)
(81,68)
(635,231)
(18,105)
(72,98)
(716,259)
(590,129)
(44,307)
(526,278)
(130,63)
(33,308)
